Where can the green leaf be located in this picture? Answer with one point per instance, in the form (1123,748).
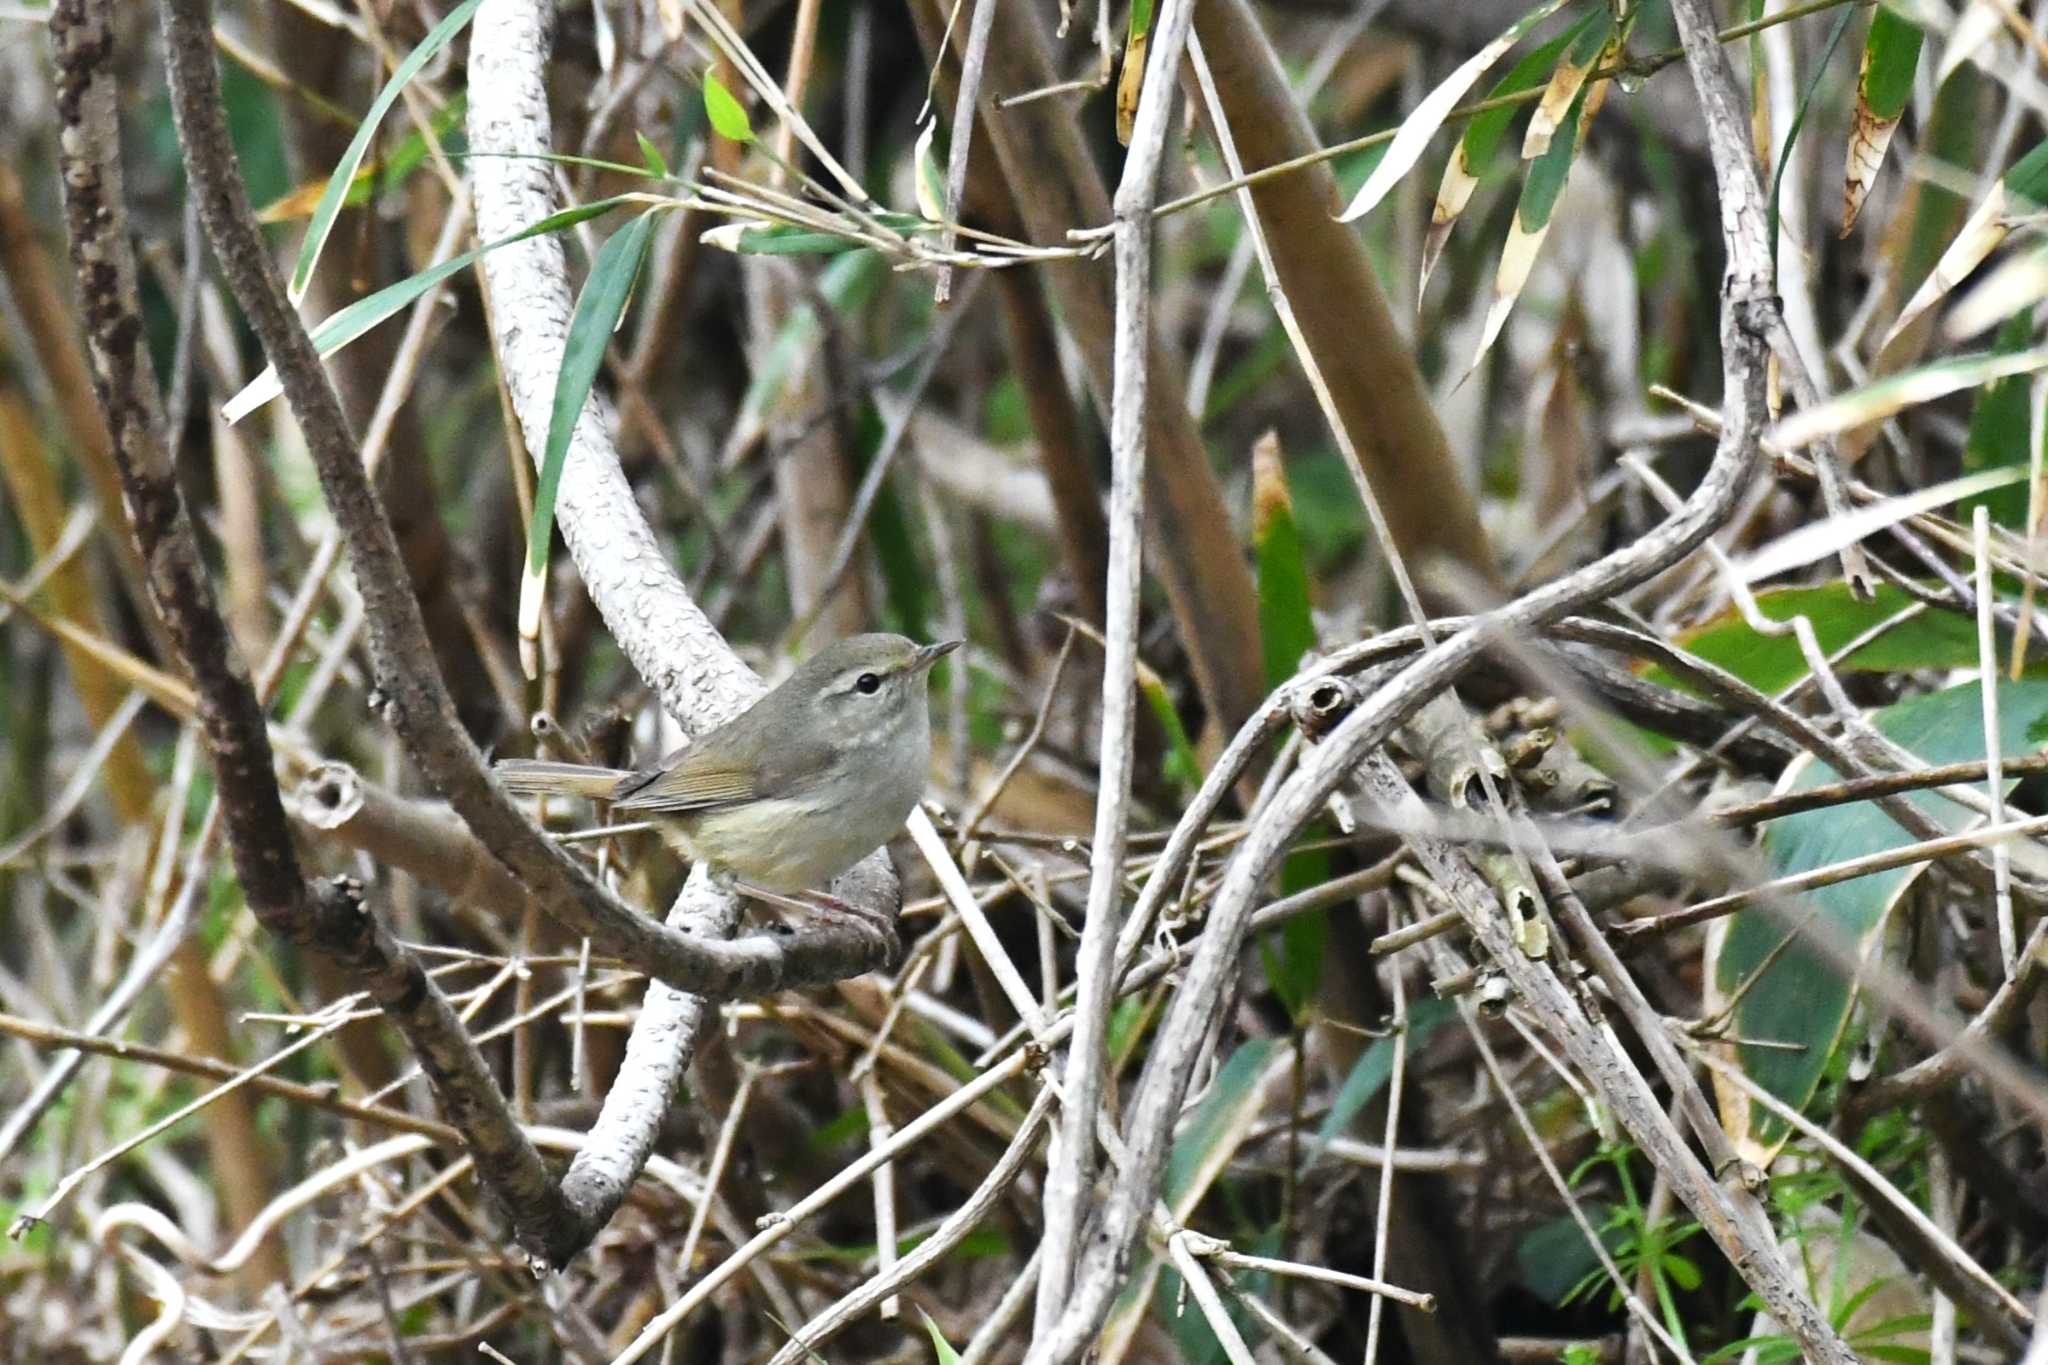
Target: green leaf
(940,1346)
(1770,663)
(2028,178)
(367,312)
(728,119)
(1210,1138)
(1894,393)
(2000,427)
(1141,18)
(1181,767)
(1376,1067)
(1484,133)
(598,310)
(1891,55)
(788,239)
(1553,1258)
(1796,997)
(846,284)
(657,164)
(1286,625)
(345,170)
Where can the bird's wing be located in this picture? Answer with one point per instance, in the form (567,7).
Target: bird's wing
(702,777)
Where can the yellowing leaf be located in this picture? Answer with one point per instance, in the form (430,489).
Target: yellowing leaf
(1477,148)
(2022,189)
(1891,54)
(1894,393)
(1130,83)
(928,181)
(1547,176)
(2020,281)
(1566,80)
(1419,127)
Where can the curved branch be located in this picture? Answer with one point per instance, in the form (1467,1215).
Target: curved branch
(672,644)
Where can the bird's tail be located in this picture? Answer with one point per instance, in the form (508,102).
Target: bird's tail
(538,777)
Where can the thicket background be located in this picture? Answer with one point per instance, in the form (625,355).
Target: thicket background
(1508,1020)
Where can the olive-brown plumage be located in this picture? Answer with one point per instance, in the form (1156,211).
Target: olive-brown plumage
(797,788)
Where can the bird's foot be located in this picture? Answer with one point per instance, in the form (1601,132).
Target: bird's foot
(814,902)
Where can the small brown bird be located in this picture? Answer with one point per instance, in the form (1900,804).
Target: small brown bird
(794,790)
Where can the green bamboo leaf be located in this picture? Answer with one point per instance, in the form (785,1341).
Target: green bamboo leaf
(345,170)
(1375,1067)
(1794,1008)
(2001,430)
(1286,625)
(788,239)
(367,312)
(1561,92)
(598,310)
(1475,152)
(1294,955)
(728,118)
(1540,190)
(1771,663)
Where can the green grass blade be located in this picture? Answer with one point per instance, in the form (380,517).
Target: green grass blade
(373,309)
(598,310)
(345,171)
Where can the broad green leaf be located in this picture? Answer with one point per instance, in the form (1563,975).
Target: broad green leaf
(598,310)
(1895,393)
(728,117)
(345,170)
(1207,1144)
(1209,1141)
(367,312)
(1891,54)
(1474,155)
(2023,189)
(1419,127)
(1375,1067)
(1771,663)
(1287,632)
(1793,1007)
(2000,429)
(1286,626)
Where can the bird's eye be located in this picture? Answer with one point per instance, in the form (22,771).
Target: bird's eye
(867,684)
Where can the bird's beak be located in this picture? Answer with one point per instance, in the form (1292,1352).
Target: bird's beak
(927,655)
